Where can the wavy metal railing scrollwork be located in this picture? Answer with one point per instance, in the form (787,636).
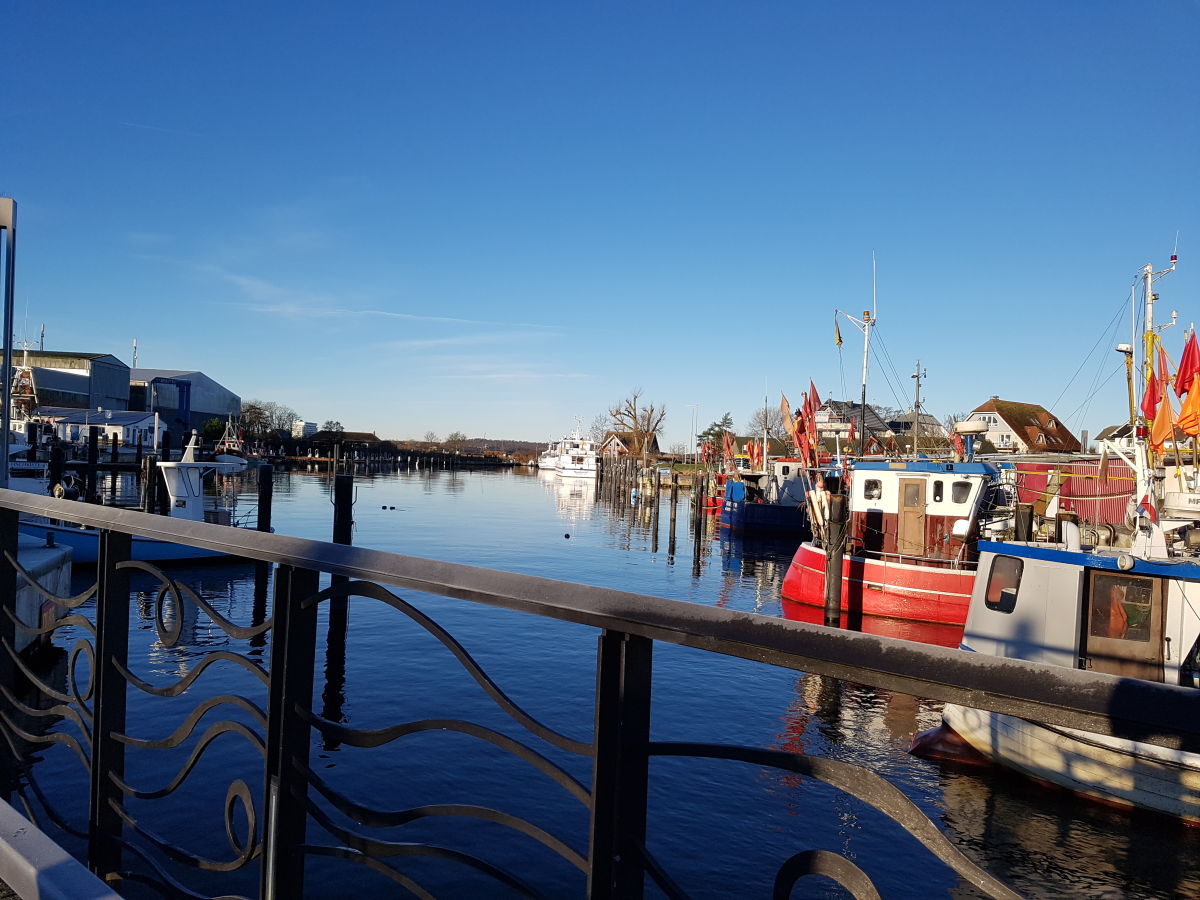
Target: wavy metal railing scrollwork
(239,797)
(73,705)
(360,848)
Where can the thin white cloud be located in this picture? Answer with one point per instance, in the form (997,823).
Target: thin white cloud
(160,128)
(469,340)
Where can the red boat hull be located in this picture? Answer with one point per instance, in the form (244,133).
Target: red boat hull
(878,589)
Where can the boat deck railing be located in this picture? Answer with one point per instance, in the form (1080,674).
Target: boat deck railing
(294,815)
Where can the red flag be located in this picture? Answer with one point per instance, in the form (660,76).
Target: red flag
(960,449)
(1151,398)
(803,445)
(812,396)
(850,437)
(1189,366)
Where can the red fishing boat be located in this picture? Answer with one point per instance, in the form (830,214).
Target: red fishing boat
(910,551)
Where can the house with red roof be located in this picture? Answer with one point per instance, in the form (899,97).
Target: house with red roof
(1023,428)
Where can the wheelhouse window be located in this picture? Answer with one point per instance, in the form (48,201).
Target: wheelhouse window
(937,492)
(960,491)
(1002,584)
(872,489)
(1119,607)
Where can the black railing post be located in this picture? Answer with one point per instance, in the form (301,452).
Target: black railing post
(8,630)
(620,766)
(293,647)
(108,705)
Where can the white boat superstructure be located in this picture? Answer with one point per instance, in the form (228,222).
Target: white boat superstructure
(577,457)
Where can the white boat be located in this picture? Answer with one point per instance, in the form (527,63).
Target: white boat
(185,489)
(230,449)
(577,456)
(547,460)
(1132,612)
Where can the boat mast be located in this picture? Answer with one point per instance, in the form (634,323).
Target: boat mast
(1143,453)
(916,425)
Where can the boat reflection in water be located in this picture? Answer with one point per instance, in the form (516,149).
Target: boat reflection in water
(756,562)
(1040,842)
(1084,849)
(938,633)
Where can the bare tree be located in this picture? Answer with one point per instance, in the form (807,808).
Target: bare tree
(261,417)
(953,419)
(599,428)
(431,437)
(774,423)
(455,439)
(254,418)
(640,421)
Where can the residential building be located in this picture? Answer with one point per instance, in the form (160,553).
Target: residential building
(834,417)
(622,443)
(1015,427)
(302,429)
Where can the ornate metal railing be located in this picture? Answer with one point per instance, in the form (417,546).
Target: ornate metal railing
(281,811)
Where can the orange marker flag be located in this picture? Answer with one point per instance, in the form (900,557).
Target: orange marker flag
(1164,425)
(1189,415)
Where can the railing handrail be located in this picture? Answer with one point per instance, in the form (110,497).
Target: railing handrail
(1161,714)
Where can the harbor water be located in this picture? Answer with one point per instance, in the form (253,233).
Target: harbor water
(720,829)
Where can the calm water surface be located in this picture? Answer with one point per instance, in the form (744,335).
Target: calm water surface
(721,829)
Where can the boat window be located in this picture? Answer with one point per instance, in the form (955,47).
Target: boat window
(1002,584)
(961,491)
(1119,607)
(786,470)
(937,492)
(912,495)
(872,489)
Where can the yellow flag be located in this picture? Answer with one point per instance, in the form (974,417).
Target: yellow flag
(837,333)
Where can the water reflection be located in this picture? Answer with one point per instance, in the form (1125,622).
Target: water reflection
(1041,841)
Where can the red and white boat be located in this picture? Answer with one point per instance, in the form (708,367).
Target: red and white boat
(910,552)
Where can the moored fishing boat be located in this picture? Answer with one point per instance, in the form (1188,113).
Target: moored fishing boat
(185,489)
(1132,612)
(772,502)
(910,552)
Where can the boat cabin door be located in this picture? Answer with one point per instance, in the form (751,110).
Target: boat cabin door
(1123,625)
(910,532)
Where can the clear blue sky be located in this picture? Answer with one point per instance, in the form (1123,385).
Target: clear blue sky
(496,217)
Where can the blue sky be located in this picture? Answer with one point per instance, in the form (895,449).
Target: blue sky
(497,217)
